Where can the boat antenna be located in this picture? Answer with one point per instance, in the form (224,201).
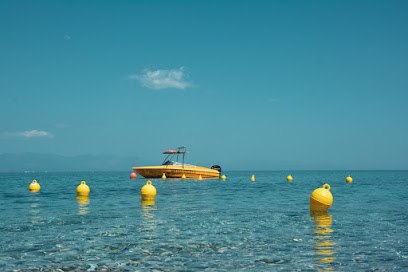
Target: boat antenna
(181,150)
(183,155)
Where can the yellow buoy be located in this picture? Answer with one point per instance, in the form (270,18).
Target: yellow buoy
(148,191)
(200,177)
(164,176)
(349,179)
(223,177)
(83,189)
(289,178)
(321,199)
(253,178)
(34,186)
(183,176)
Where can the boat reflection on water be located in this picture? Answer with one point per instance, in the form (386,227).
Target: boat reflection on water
(83,202)
(149,222)
(323,245)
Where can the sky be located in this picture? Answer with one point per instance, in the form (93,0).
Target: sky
(248,85)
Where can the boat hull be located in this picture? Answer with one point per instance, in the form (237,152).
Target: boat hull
(176,171)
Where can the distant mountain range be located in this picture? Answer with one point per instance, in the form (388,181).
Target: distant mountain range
(58,163)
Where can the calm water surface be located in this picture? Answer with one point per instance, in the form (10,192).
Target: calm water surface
(209,225)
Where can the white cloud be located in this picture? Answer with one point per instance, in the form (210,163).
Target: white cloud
(32,134)
(163,79)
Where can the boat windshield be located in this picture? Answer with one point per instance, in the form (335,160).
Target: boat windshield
(177,163)
(172,157)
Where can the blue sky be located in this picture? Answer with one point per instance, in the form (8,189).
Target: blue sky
(249,85)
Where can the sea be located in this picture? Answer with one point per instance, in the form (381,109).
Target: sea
(204,225)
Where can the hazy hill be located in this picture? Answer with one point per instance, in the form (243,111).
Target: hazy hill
(55,163)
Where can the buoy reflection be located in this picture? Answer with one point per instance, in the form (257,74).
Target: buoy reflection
(35,210)
(324,246)
(149,222)
(83,202)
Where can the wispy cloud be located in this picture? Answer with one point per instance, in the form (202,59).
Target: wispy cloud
(29,134)
(163,79)
(35,133)
(62,125)
(67,37)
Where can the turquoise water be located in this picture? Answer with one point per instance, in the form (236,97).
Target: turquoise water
(209,225)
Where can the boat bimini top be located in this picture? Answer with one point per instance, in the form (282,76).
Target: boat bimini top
(174,154)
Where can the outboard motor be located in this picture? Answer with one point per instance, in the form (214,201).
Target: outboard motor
(216,167)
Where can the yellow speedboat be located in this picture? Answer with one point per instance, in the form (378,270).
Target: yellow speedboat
(172,168)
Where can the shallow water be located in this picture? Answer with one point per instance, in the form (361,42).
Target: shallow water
(210,225)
